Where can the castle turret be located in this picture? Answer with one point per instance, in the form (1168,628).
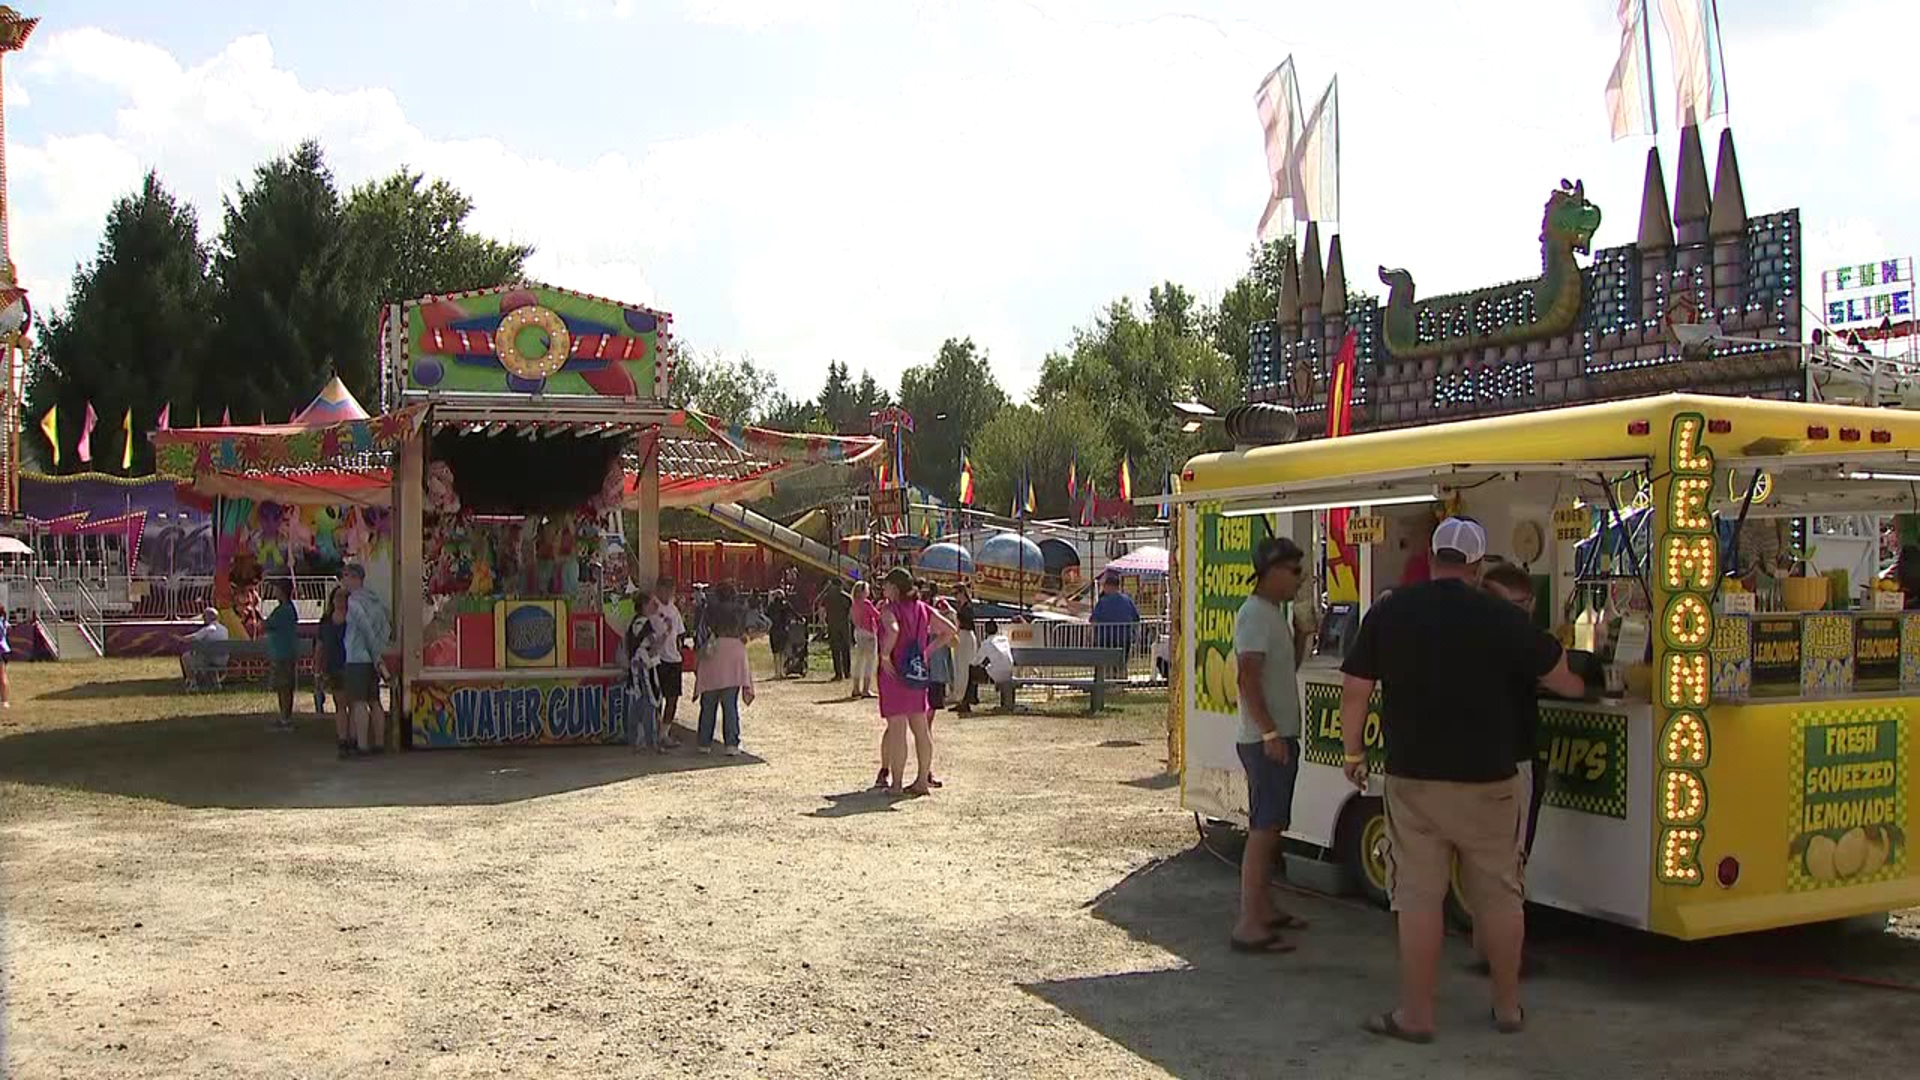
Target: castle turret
(1313,282)
(1727,228)
(1656,236)
(1691,207)
(1333,299)
(1289,291)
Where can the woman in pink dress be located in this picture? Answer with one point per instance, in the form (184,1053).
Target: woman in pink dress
(906,626)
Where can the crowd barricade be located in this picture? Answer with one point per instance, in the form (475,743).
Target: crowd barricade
(1145,643)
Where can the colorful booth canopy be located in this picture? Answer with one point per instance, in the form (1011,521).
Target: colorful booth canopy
(345,461)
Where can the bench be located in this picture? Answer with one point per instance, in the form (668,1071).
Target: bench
(246,661)
(1100,661)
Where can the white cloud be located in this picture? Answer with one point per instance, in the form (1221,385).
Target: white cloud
(1035,162)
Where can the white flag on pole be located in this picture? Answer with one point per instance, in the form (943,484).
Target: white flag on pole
(1319,158)
(1629,104)
(1278,103)
(1699,81)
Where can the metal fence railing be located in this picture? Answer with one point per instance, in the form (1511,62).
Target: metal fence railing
(1144,642)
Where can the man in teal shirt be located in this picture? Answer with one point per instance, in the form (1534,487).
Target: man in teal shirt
(283,639)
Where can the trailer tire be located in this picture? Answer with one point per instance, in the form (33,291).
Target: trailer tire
(1360,841)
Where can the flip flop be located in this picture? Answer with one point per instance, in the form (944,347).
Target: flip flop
(1271,944)
(1385,1026)
(1288,922)
(1509,1027)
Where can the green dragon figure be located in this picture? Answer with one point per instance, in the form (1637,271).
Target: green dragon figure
(1504,314)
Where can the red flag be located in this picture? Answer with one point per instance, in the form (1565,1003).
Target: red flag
(966,479)
(86,435)
(226,417)
(1126,476)
(166,417)
(1340,389)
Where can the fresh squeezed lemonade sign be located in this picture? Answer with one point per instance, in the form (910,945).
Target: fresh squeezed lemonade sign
(1849,797)
(1225,581)
(1689,567)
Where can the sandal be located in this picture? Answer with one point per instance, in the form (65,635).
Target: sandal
(919,789)
(1288,921)
(1509,1027)
(1385,1026)
(881,780)
(1270,944)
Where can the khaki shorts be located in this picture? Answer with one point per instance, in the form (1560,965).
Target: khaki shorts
(1430,821)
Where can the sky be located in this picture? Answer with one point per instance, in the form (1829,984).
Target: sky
(808,180)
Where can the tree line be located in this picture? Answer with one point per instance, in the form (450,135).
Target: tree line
(253,323)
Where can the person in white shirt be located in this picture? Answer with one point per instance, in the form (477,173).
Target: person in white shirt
(671,634)
(202,666)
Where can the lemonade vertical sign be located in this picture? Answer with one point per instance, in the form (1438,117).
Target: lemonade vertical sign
(1224,578)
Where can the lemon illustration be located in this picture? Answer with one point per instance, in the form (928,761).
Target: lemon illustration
(1850,854)
(1820,858)
(1216,696)
(1230,680)
(1879,848)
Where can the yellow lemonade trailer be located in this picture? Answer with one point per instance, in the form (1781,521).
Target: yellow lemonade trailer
(1748,767)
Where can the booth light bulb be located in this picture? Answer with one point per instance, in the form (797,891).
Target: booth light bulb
(1688,456)
(1691,561)
(1688,509)
(1686,742)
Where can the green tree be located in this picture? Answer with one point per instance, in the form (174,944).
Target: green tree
(1256,296)
(289,308)
(1136,368)
(132,335)
(735,390)
(783,413)
(868,398)
(951,400)
(837,401)
(409,238)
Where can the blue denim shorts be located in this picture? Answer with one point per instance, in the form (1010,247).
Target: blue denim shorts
(1270,785)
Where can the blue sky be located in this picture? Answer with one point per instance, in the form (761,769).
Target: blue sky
(807,180)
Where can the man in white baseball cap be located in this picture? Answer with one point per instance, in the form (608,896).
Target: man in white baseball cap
(1446,656)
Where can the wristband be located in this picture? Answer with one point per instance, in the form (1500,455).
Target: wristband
(1355,759)
(1270,736)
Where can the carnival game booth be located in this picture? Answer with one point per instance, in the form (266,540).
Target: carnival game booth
(1735,768)
(294,501)
(544,417)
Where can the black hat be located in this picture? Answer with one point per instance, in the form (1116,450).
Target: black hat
(1274,551)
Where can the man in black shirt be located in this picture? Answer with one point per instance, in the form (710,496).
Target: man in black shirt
(1446,654)
(837,606)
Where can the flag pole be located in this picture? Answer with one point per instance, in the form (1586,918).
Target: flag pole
(1646,61)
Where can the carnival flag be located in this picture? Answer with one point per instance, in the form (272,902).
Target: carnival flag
(1699,76)
(1126,477)
(1277,101)
(166,417)
(1166,503)
(226,417)
(1073,477)
(86,435)
(1630,87)
(1340,388)
(50,427)
(966,479)
(126,443)
(1030,501)
(1319,158)
(1087,509)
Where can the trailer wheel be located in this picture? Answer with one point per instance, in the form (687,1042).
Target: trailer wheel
(1361,843)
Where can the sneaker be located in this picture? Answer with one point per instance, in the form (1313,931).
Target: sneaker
(348,750)
(706,748)
(732,751)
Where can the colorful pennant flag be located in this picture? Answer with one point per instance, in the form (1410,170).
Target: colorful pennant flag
(1126,477)
(1028,504)
(226,417)
(126,445)
(1166,503)
(966,479)
(166,417)
(1073,477)
(86,435)
(50,427)
(1086,509)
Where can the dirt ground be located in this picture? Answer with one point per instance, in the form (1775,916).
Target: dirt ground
(189,895)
